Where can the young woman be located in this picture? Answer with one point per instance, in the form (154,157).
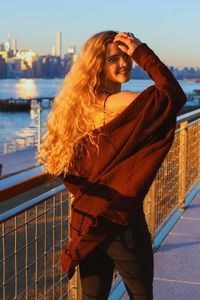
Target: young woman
(108,145)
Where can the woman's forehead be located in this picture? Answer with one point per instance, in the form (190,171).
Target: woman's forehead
(113,49)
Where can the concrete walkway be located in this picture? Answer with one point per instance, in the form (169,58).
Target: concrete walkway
(18,161)
(177,261)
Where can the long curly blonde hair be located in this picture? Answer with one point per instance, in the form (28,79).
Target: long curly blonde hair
(72,117)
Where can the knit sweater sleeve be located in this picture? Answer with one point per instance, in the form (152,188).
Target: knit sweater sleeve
(165,82)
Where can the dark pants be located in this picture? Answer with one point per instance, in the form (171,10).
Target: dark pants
(129,249)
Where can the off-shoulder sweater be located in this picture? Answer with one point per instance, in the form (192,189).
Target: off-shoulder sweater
(113,181)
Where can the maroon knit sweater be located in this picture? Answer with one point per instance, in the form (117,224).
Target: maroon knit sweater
(113,183)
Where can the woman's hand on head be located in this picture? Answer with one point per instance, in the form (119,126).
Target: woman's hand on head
(127,42)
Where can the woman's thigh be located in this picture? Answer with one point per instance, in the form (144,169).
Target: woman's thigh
(131,252)
(96,273)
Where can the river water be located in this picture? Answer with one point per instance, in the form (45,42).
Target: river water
(18,125)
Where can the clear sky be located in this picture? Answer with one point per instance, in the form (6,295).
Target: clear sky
(170,27)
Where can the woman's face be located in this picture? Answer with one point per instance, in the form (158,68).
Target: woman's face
(117,65)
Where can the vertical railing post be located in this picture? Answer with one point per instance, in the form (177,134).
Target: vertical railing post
(5,148)
(39,126)
(198,136)
(34,141)
(15,145)
(3,274)
(74,284)
(182,164)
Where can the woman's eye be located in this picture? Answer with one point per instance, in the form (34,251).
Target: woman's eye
(113,59)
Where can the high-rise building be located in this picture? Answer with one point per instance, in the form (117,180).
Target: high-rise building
(58,44)
(8,47)
(14,46)
(53,51)
(71,52)
(1,47)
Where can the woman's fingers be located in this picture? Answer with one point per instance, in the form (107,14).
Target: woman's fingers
(127,35)
(127,42)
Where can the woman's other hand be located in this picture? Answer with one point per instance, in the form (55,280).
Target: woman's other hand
(127,42)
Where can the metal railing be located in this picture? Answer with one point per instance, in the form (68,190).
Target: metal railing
(178,174)
(32,237)
(28,141)
(33,233)
(19,144)
(193,97)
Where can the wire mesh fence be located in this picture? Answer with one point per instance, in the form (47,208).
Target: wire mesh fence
(30,246)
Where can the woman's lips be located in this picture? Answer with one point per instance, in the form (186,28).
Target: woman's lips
(123,71)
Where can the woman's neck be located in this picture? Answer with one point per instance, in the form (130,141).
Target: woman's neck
(112,88)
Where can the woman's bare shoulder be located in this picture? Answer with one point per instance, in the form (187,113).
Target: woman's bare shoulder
(120,100)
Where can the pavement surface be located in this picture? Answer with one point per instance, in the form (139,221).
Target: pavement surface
(177,261)
(18,161)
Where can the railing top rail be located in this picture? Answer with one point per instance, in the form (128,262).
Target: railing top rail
(28,99)
(14,185)
(195,114)
(28,204)
(19,177)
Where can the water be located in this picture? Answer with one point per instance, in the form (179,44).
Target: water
(18,125)
(28,88)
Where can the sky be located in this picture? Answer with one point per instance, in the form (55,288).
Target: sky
(170,27)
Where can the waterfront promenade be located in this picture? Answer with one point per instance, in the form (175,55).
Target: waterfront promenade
(177,261)
(18,161)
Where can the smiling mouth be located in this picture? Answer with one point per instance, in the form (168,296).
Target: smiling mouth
(123,71)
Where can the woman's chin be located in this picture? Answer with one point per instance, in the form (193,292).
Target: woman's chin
(125,79)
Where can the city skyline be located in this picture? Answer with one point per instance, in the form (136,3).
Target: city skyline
(12,44)
(170,29)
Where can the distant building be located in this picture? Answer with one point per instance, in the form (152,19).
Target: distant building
(4,54)
(12,65)
(138,73)
(14,46)
(2,68)
(8,45)
(26,56)
(23,64)
(71,52)
(58,44)
(1,47)
(51,66)
(53,51)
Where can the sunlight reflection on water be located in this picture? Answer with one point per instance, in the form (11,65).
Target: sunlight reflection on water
(26,88)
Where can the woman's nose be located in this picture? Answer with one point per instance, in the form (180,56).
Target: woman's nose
(122,61)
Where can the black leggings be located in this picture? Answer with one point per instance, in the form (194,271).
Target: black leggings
(129,249)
